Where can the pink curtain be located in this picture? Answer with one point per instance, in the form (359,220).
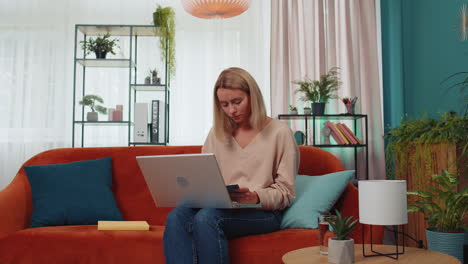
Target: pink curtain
(308,37)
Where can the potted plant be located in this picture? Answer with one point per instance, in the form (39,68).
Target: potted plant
(341,247)
(90,100)
(319,92)
(444,208)
(154,76)
(101,46)
(164,22)
(307,110)
(292,110)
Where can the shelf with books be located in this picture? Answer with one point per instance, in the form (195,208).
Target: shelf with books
(341,131)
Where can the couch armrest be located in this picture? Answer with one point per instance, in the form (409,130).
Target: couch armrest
(348,204)
(15,205)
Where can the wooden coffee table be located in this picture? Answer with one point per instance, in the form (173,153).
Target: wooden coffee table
(412,255)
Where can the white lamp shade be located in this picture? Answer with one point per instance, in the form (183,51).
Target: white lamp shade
(383,202)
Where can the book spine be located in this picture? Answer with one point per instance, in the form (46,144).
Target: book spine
(352,134)
(347,134)
(335,133)
(155,121)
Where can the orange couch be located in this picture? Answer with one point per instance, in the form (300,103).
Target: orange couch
(84,244)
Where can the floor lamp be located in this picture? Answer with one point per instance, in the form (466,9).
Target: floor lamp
(383,202)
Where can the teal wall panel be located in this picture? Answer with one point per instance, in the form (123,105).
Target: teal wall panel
(419,57)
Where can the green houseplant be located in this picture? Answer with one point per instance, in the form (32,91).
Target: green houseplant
(410,145)
(445,210)
(341,247)
(100,46)
(292,110)
(164,22)
(90,100)
(319,92)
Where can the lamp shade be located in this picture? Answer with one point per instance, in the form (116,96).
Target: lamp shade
(383,202)
(215,8)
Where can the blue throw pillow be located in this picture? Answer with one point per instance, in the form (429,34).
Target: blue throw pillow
(315,195)
(77,193)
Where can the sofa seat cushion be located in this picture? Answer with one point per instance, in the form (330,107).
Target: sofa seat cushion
(269,248)
(82,245)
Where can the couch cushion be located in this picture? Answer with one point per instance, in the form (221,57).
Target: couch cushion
(314,195)
(269,248)
(76,193)
(82,244)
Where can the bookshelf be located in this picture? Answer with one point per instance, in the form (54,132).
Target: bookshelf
(133,36)
(314,123)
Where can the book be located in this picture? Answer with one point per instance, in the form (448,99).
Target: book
(155,104)
(335,133)
(352,134)
(347,134)
(345,140)
(123,225)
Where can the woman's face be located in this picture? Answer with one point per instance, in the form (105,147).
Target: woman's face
(235,104)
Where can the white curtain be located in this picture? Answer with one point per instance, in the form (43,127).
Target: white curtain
(36,71)
(322,34)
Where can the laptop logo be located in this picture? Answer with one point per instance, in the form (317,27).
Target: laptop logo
(182,182)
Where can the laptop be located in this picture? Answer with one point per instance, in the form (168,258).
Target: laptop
(191,180)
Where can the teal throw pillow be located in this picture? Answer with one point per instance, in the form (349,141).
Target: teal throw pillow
(315,195)
(77,193)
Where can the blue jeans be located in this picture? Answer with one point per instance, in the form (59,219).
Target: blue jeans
(201,235)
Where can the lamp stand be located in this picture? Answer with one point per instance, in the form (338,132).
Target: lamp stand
(376,253)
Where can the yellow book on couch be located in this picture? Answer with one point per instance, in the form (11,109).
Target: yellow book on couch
(123,225)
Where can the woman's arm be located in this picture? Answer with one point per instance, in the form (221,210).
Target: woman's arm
(281,193)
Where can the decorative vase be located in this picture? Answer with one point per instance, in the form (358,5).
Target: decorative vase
(447,243)
(350,109)
(318,108)
(92,116)
(154,79)
(341,251)
(148,80)
(100,54)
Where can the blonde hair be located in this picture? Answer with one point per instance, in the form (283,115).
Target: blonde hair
(237,78)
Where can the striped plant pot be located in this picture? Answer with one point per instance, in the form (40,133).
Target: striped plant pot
(447,243)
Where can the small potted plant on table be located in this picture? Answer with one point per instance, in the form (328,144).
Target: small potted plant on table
(341,247)
(100,46)
(90,100)
(292,110)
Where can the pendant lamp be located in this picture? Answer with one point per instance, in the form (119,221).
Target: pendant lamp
(215,8)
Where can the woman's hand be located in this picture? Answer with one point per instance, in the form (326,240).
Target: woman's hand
(245,196)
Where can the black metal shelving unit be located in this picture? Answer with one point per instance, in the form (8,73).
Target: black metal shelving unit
(133,32)
(312,119)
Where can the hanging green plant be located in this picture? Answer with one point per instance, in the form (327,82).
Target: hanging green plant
(164,22)
(413,140)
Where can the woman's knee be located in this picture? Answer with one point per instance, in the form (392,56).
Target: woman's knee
(179,215)
(207,217)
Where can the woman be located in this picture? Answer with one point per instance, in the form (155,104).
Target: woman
(254,151)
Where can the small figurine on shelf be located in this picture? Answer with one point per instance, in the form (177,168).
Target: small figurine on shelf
(292,110)
(307,110)
(350,102)
(326,132)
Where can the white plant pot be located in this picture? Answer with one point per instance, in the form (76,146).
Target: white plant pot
(294,112)
(92,116)
(307,111)
(340,251)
